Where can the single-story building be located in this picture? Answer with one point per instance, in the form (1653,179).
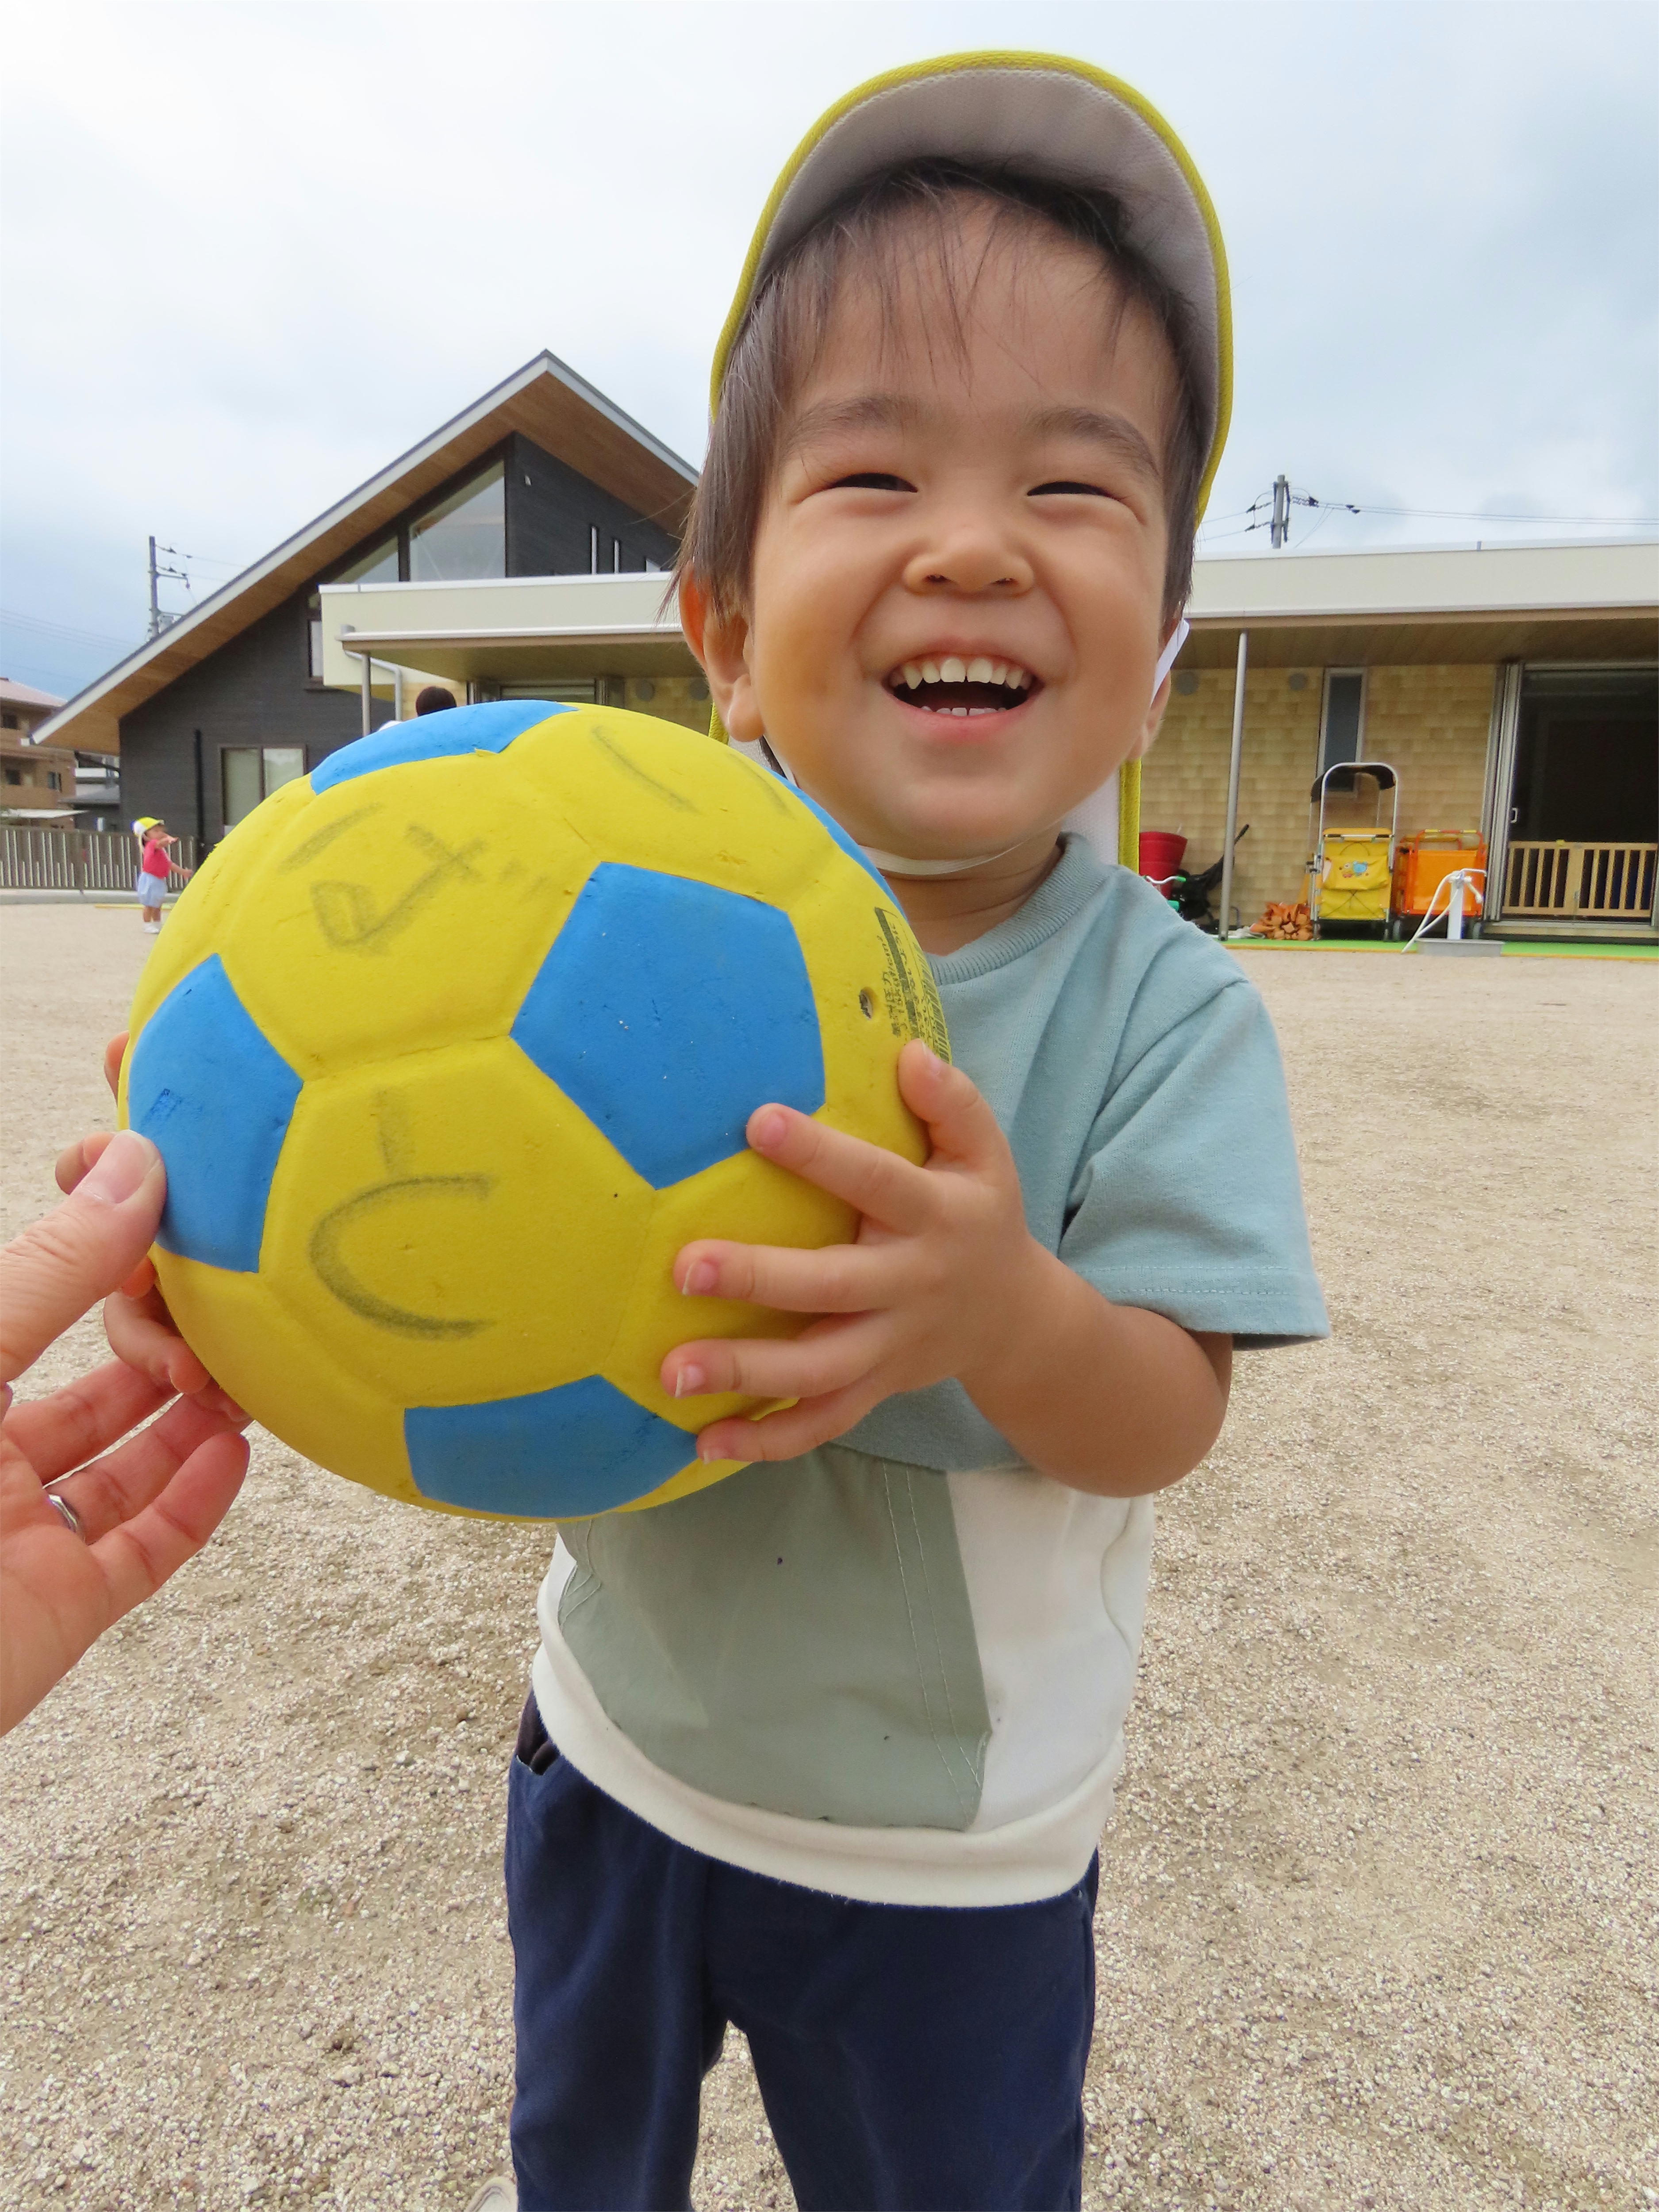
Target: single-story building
(520,552)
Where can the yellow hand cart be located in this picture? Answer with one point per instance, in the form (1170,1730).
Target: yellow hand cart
(1351,868)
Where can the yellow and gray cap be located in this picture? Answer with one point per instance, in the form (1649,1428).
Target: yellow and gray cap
(1045,116)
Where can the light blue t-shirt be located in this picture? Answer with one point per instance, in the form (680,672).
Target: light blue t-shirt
(910,1635)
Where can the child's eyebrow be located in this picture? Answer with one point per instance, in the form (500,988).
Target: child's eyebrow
(1115,432)
(871,411)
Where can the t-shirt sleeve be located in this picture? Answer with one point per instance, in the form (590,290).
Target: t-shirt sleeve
(1188,1200)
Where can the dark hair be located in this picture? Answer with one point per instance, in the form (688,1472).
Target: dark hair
(876,224)
(432,699)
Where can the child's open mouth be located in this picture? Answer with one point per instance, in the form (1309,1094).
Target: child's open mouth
(968,688)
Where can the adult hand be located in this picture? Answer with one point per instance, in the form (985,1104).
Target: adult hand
(142,1507)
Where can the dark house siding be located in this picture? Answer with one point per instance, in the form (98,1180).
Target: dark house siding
(550,510)
(253,691)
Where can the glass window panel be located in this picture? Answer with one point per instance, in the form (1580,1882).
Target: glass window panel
(239,767)
(314,638)
(465,536)
(1345,708)
(284,764)
(377,566)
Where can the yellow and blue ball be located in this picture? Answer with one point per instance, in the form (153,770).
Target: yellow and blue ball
(450,1046)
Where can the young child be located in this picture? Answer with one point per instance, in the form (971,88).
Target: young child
(154,864)
(824,1750)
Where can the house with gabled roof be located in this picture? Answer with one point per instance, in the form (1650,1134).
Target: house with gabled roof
(543,476)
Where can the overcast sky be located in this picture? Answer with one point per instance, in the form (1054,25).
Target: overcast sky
(253,252)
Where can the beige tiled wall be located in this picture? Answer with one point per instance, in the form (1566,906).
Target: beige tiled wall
(1429,723)
(682,699)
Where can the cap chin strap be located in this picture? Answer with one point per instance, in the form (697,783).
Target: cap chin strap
(1083,818)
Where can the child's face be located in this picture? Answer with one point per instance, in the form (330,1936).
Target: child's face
(1002,508)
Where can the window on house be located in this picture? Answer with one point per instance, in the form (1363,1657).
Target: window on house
(377,566)
(9,722)
(1342,722)
(14,775)
(465,536)
(54,782)
(250,772)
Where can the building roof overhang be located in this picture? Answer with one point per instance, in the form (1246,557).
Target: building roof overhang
(545,400)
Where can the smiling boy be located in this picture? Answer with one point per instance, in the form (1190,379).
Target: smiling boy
(824,1750)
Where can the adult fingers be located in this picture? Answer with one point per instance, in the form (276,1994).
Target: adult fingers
(829,1356)
(877,1182)
(960,1123)
(137,1558)
(75,1160)
(120,1484)
(62,1431)
(833,1279)
(76,1253)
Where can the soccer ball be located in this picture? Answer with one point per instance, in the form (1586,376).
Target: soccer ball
(449,1048)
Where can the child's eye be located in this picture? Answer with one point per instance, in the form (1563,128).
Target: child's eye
(870,480)
(1093,491)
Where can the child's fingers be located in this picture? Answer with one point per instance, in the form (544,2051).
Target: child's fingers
(114,1053)
(875,1180)
(830,1356)
(140,1331)
(834,1279)
(959,1121)
(796,1430)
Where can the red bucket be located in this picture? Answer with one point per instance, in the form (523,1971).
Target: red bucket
(1160,853)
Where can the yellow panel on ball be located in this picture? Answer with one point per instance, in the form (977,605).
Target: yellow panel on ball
(452,1227)
(446,874)
(272,1365)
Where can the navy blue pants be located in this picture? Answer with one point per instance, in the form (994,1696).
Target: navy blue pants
(908,2055)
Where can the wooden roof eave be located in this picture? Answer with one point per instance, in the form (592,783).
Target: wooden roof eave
(545,401)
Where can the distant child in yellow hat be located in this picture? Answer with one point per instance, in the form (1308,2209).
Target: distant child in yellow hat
(824,1750)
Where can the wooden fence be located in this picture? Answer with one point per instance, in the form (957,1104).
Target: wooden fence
(1564,882)
(78,859)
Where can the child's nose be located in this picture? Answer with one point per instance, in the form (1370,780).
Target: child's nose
(970,557)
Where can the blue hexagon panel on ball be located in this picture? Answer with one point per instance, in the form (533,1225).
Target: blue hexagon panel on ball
(581,1448)
(668,1010)
(216,1097)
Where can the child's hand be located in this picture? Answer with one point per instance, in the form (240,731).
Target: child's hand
(925,1293)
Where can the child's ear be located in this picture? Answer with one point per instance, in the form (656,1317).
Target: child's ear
(721,645)
(1154,721)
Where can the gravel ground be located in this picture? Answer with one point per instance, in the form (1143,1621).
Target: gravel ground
(1377,1911)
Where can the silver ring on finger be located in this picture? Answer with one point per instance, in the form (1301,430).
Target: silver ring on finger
(67,1513)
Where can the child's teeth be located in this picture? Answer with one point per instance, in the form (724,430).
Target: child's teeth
(961,711)
(999,671)
(930,672)
(952,671)
(1017,677)
(911,674)
(979,670)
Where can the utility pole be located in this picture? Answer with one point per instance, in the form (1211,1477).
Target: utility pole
(158,620)
(1281,525)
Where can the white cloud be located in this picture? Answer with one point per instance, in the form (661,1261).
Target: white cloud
(253,251)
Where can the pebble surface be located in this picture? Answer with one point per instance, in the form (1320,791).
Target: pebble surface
(1378,1909)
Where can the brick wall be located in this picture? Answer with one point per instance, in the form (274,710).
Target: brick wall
(1429,723)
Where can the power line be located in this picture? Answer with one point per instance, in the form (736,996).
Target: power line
(1272,509)
(63,629)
